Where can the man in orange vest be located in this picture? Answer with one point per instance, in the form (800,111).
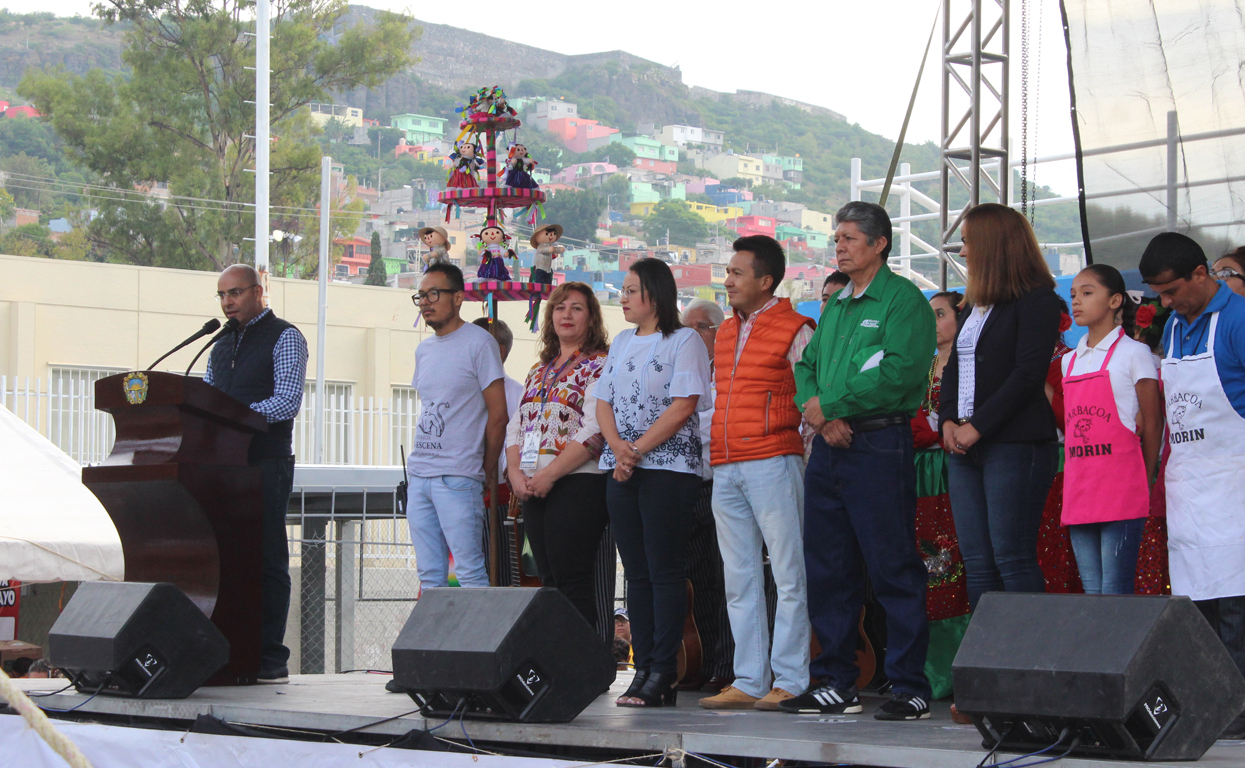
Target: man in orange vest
(758,472)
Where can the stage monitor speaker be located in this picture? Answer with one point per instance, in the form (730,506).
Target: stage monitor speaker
(1122,676)
(145,641)
(501,653)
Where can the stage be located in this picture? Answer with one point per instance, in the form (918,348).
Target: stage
(335,703)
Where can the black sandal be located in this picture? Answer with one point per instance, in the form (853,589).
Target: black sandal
(659,689)
(641,675)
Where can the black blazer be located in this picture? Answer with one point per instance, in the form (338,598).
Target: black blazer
(1013,357)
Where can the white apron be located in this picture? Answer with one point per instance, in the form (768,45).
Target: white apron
(1205,477)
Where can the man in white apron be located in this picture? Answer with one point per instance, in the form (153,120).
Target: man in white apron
(1203,376)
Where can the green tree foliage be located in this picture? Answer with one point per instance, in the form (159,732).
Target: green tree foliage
(675,217)
(23,184)
(335,130)
(618,154)
(181,117)
(577,212)
(376,268)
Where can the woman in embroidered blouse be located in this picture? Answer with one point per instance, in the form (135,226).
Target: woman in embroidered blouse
(655,381)
(553,445)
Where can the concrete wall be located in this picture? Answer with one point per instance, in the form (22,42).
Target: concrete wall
(74,313)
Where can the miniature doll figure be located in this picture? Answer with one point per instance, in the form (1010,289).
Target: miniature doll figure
(519,168)
(545,241)
(493,252)
(467,164)
(436,242)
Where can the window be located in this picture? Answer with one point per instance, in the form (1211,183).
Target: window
(362,272)
(342,270)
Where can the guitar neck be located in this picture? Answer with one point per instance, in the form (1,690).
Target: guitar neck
(514,544)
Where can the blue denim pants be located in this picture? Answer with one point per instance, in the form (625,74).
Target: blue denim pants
(446,514)
(1106,555)
(997,494)
(754,503)
(860,517)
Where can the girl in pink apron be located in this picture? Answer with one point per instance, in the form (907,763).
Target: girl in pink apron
(1112,433)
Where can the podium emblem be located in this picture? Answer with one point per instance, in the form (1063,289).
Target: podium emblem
(135,386)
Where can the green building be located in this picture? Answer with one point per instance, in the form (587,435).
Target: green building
(419,128)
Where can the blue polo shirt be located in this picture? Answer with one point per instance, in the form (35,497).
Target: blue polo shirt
(1191,339)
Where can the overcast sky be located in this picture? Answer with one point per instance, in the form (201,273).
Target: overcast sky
(859,59)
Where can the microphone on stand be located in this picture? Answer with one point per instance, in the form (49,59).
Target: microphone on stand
(207,328)
(231,325)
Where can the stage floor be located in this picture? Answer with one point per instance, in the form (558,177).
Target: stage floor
(331,703)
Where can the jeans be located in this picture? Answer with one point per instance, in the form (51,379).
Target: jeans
(1106,555)
(565,529)
(759,503)
(860,517)
(997,494)
(650,517)
(278,479)
(446,515)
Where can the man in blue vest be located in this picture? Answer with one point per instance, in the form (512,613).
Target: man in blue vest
(263,364)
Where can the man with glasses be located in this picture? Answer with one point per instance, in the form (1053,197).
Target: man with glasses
(758,478)
(263,363)
(461,428)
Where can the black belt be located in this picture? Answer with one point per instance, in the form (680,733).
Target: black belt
(872,423)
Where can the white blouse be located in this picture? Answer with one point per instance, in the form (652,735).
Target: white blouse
(1131,363)
(966,352)
(642,377)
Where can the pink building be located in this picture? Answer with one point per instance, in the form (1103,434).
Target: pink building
(753,225)
(574,174)
(656,166)
(692,275)
(701,186)
(580,135)
(21,112)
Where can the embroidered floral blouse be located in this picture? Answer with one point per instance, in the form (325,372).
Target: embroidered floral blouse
(561,407)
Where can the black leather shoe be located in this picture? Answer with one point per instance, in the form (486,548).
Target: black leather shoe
(659,689)
(636,684)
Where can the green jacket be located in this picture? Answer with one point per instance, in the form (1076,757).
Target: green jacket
(870,355)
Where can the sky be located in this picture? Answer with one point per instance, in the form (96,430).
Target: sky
(859,59)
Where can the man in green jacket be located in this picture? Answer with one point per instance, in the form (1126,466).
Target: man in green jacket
(860,380)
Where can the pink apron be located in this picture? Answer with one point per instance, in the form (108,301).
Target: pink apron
(1104,470)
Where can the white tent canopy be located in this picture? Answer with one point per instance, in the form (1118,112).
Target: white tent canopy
(52,528)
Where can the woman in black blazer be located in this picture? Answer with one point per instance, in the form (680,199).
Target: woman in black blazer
(996,422)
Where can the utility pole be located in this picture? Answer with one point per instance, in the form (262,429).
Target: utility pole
(263,144)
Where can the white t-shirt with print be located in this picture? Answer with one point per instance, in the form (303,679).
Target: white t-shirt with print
(1131,363)
(451,374)
(642,377)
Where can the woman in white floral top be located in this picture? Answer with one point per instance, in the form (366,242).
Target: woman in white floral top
(655,382)
(553,445)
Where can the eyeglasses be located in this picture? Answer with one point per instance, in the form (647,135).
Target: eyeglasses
(432,295)
(1225,273)
(234,293)
(702,327)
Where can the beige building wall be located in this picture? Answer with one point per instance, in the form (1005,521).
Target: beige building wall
(85,314)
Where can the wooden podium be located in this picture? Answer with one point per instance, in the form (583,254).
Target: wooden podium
(185,503)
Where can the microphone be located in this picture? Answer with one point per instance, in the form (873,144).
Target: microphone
(231,325)
(207,328)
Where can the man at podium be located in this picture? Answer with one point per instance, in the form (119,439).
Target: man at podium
(263,363)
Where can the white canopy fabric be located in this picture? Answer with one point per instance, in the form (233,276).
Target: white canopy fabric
(52,528)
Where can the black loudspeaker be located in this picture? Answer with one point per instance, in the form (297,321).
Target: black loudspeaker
(146,641)
(1123,676)
(501,653)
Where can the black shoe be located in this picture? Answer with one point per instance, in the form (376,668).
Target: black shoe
(903,706)
(274,676)
(637,683)
(659,689)
(824,700)
(393,687)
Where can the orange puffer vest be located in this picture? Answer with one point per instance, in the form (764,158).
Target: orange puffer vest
(754,414)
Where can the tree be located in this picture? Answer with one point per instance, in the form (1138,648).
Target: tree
(618,154)
(577,212)
(27,192)
(180,116)
(675,217)
(376,273)
(335,130)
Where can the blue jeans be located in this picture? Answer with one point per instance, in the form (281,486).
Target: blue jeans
(278,480)
(651,519)
(754,503)
(1106,555)
(446,514)
(860,517)
(997,493)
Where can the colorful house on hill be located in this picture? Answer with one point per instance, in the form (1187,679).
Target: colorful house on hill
(25,111)
(789,170)
(747,226)
(580,135)
(322,113)
(582,172)
(726,166)
(682,135)
(810,238)
(543,111)
(419,128)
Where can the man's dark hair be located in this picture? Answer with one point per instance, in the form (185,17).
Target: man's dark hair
(767,257)
(1171,252)
(837,277)
(657,284)
(452,273)
(871,219)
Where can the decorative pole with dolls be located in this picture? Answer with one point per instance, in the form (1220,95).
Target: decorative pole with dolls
(436,242)
(486,115)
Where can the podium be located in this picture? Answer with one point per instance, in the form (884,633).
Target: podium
(185,503)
